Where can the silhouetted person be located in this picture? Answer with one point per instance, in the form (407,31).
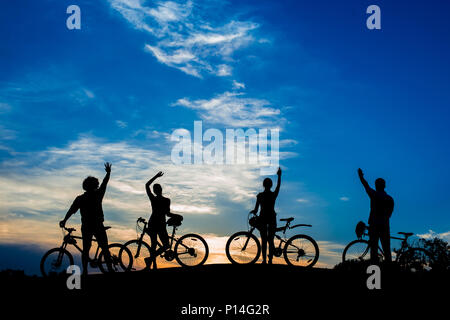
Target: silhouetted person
(381,208)
(157,222)
(267,220)
(90,206)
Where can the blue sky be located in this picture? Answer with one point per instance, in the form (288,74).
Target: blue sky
(343,96)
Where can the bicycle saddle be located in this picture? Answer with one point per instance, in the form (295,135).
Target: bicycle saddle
(287,219)
(406,234)
(108,227)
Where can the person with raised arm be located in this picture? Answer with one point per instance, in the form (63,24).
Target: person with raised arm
(157,222)
(381,208)
(267,220)
(90,206)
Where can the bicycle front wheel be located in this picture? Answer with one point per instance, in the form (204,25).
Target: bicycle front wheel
(415,260)
(191,250)
(139,251)
(243,248)
(301,251)
(121,259)
(55,262)
(357,250)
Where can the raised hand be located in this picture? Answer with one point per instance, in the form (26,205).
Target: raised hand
(159,174)
(62,223)
(108,167)
(360,172)
(279,171)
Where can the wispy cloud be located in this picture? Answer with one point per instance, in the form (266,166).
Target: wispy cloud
(345,199)
(183,38)
(431,234)
(238,85)
(39,183)
(234,110)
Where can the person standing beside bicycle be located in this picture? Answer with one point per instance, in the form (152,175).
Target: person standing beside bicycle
(381,208)
(157,222)
(267,220)
(90,206)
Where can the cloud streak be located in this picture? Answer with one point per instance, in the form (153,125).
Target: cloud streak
(233,109)
(183,39)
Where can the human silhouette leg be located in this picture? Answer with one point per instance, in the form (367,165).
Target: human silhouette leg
(373,243)
(164,237)
(152,259)
(264,240)
(87,242)
(102,240)
(271,238)
(385,239)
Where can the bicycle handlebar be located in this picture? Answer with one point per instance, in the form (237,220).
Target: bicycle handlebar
(70,230)
(140,219)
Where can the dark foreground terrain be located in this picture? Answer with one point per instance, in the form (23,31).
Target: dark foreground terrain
(290,293)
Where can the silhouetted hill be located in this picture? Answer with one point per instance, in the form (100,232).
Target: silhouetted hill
(290,292)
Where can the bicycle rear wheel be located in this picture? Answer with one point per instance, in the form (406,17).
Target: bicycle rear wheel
(121,259)
(415,260)
(357,250)
(55,262)
(191,250)
(301,251)
(243,248)
(139,251)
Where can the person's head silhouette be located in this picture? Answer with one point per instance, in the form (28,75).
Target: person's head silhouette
(90,184)
(157,189)
(380,184)
(267,183)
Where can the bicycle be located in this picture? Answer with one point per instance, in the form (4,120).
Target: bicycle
(407,257)
(190,250)
(57,260)
(301,250)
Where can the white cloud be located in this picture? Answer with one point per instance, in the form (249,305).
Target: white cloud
(238,85)
(431,234)
(301,200)
(121,124)
(234,110)
(344,199)
(38,183)
(183,39)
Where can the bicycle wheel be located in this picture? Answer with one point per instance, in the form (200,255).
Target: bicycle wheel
(243,248)
(301,251)
(191,250)
(356,250)
(55,262)
(138,257)
(121,259)
(415,260)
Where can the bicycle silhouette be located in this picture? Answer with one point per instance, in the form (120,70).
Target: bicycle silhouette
(57,260)
(301,250)
(189,250)
(408,257)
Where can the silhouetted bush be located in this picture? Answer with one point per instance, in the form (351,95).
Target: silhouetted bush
(439,250)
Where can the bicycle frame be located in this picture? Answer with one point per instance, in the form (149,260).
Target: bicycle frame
(70,239)
(404,245)
(172,238)
(283,240)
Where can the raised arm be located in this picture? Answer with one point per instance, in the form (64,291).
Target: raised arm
(102,187)
(149,182)
(369,190)
(277,189)
(73,209)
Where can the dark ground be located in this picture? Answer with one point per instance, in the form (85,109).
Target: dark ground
(291,293)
